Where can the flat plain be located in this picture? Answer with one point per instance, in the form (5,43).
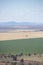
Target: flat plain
(16,42)
(20,34)
(25,46)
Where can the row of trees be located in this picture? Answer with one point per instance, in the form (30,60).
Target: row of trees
(15,56)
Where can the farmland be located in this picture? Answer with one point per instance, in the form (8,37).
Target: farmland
(20,34)
(25,46)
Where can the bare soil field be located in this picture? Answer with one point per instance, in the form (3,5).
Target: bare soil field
(20,34)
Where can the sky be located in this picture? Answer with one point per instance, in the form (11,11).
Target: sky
(21,10)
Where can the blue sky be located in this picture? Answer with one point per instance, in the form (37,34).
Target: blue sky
(21,10)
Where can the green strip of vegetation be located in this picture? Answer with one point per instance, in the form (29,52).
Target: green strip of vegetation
(22,46)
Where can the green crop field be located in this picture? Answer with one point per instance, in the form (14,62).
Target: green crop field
(23,45)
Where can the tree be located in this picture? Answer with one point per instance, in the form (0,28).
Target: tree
(22,62)
(34,53)
(29,54)
(15,58)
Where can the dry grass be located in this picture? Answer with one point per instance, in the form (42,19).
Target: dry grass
(18,34)
(32,58)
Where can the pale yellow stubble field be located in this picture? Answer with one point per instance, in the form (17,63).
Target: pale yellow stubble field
(20,35)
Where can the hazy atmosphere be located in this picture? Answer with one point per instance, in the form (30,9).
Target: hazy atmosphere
(21,32)
(21,10)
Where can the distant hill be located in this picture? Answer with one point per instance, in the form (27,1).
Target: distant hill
(21,25)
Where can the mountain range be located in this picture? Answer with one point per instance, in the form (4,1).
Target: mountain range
(11,25)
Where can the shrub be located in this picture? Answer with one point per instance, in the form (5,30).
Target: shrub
(29,54)
(22,62)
